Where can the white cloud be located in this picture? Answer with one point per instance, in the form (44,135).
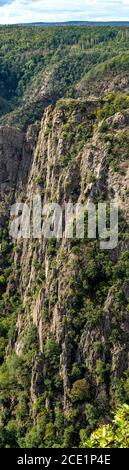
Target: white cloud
(18,11)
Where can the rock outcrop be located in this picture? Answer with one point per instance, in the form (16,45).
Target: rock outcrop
(70,296)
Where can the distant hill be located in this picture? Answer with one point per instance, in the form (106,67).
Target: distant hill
(39,65)
(80,23)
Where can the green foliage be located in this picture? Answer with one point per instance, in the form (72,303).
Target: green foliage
(92,415)
(59,57)
(51,247)
(97,346)
(52,351)
(2,281)
(30,343)
(91,312)
(69,434)
(75,132)
(111,435)
(126,388)
(31,439)
(50,434)
(75,373)
(39,180)
(79,391)
(100,369)
(115,103)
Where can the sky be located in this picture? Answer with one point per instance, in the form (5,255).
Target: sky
(24,11)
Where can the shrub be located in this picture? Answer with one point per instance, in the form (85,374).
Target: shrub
(97,346)
(79,391)
(51,351)
(113,435)
(50,434)
(39,180)
(69,435)
(75,373)
(31,439)
(126,388)
(2,280)
(51,247)
(100,369)
(30,339)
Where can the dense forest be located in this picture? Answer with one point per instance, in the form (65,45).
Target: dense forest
(41,65)
(64,305)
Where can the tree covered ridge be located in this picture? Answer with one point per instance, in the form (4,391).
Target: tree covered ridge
(43,64)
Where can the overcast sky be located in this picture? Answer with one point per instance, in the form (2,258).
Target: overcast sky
(17,11)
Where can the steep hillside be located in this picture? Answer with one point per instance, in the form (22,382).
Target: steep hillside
(64,303)
(41,65)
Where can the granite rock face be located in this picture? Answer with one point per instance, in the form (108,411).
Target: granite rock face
(68,290)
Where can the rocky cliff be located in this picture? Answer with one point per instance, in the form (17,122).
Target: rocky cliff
(64,303)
